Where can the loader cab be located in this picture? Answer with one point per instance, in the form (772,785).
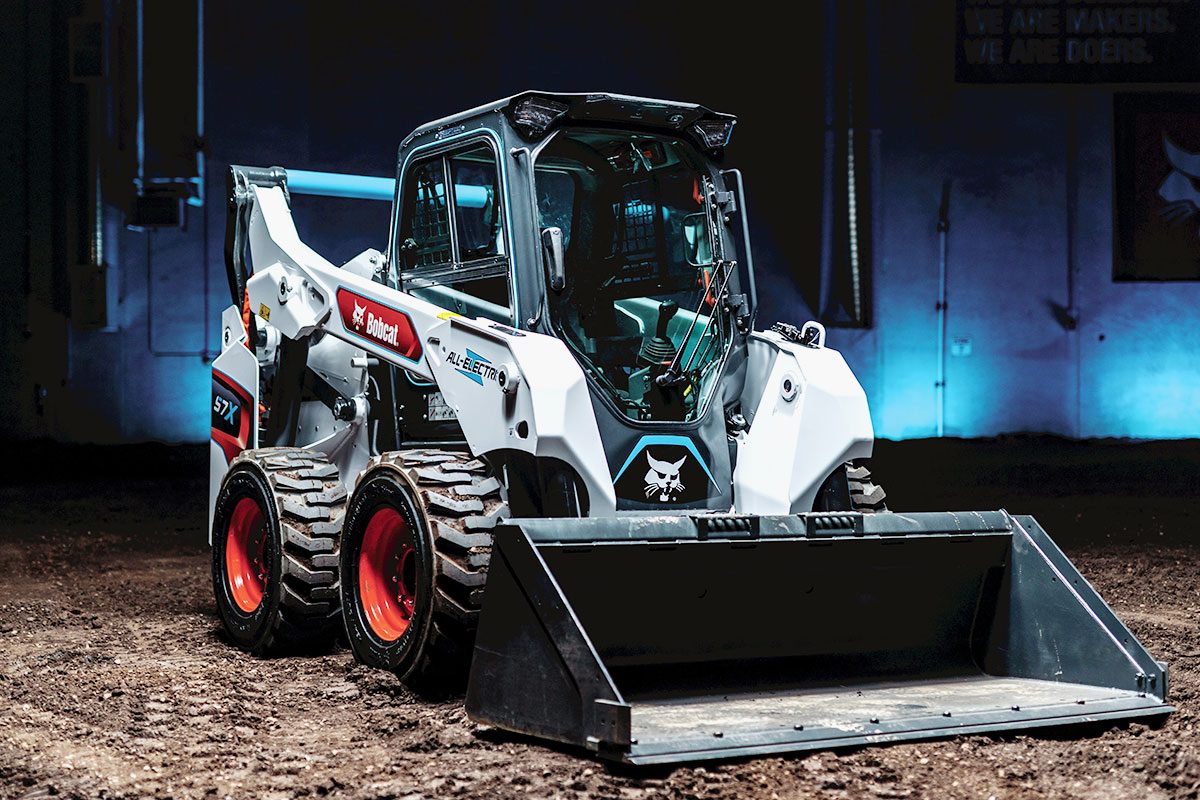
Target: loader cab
(639,271)
(606,222)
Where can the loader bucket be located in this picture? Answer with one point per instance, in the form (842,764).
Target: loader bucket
(665,639)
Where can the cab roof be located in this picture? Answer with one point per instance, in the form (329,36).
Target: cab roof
(534,113)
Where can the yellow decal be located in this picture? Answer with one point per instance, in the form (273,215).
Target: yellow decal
(264,312)
(448,315)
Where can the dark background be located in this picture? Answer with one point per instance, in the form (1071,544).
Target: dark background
(114,677)
(107,329)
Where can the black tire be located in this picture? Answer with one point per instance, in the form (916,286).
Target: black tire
(300,500)
(865,494)
(851,487)
(449,502)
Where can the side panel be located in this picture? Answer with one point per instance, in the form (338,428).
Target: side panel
(545,411)
(667,467)
(234,404)
(807,414)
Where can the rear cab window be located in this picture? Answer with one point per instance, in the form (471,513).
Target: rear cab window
(451,248)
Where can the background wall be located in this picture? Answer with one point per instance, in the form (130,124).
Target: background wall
(336,88)
(1031,193)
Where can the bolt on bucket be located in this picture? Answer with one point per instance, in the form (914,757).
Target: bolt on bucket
(665,639)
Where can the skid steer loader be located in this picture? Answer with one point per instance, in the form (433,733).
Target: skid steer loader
(538,445)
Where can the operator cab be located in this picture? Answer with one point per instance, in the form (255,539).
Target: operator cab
(638,304)
(602,220)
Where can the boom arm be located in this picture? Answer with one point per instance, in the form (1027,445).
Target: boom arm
(298,291)
(511,390)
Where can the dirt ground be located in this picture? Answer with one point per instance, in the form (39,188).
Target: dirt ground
(115,683)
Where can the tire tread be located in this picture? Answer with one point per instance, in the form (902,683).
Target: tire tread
(310,501)
(461,502)
(865,495)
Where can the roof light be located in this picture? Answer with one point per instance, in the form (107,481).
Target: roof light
(713,133)
(533,116)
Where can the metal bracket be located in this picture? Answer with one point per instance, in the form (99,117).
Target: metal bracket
(824,526)
(611,725)
(727,526)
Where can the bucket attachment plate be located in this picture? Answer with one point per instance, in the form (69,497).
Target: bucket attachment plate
(665,639)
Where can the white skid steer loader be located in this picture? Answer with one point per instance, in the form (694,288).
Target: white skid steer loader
(537,445)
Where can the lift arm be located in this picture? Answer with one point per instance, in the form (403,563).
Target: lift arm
(511,390)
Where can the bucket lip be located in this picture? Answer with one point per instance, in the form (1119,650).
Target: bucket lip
(706,526)
(756,743)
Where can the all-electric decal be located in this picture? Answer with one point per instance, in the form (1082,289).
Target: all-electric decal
(381,325)
(473,365)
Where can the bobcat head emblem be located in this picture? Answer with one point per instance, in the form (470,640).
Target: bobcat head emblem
(1179,189)
(360,314)
(663,478)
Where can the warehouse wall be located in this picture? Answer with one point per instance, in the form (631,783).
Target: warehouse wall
(1029,170)
(1031,177)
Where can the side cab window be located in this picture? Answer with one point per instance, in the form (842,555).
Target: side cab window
(451,249)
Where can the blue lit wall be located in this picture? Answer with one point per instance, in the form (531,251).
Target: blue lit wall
(1031,176)
(330,90)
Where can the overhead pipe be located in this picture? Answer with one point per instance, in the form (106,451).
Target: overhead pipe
(366,187)
(332,184)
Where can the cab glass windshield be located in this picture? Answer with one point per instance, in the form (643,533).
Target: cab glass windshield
(639,307)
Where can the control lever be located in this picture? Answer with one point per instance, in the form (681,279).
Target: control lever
(658,350)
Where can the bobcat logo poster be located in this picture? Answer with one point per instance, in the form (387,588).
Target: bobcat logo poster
(1157,208)
(662,479)
(663,471)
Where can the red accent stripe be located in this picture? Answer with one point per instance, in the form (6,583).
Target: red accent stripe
(232,445)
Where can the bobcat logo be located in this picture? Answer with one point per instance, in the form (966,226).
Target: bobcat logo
(360,315)
(663,478)
(1179,187)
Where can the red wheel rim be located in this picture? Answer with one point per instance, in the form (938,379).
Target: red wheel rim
(387,574)
(246,554)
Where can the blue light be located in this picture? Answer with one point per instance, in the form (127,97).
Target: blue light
(333,184)
(366,187)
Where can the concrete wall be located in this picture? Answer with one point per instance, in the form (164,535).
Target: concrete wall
(1031,199)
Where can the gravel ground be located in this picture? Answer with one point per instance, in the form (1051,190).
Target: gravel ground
(115,682)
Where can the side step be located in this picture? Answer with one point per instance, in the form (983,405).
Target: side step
(677,638)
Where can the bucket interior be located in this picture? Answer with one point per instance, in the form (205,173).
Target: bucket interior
(675,649)
(678,620)
(723,643)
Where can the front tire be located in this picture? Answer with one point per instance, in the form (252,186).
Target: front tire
(851,488)
(276,532)
(415,551)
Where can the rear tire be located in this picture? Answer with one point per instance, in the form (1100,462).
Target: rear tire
(416,548)
(275,539)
